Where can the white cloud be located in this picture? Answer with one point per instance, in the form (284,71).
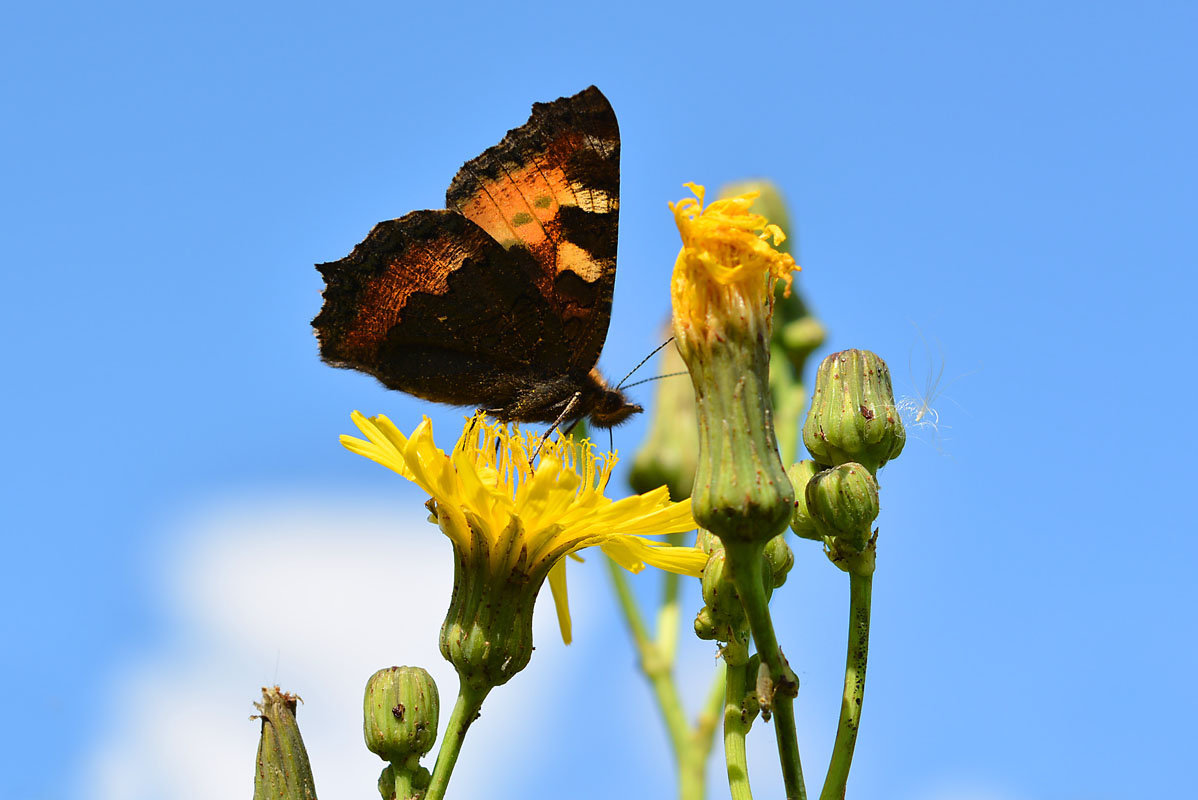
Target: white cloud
(315,597)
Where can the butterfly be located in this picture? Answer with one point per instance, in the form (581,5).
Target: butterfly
(502,299)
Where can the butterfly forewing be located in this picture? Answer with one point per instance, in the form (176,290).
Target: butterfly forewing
(552,187)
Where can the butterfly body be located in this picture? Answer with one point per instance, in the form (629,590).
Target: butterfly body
(502,299)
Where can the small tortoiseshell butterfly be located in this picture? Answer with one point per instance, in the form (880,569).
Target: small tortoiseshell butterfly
(501,300)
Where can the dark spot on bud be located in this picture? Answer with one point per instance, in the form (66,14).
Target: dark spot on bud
(865,412)
(398,711)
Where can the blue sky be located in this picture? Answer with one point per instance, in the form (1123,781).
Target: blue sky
(1011,183)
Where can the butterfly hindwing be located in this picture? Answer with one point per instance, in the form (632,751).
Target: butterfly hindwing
(431,305)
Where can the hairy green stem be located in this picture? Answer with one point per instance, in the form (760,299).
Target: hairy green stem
(465,711)
(860,595)
(736,726)
(747,574)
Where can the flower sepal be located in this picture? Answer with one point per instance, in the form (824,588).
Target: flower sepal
(487,633)
(861,563)
(741,491)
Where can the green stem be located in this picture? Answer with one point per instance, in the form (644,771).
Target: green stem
(860,594)
(667,616)
(709,717)
(691,780)
(736,726)
(403,788)
(655,666)
(692,773)
(465,711)
(748,576)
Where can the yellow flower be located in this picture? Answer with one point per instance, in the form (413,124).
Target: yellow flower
(728,264)
(518,523)
(723,295)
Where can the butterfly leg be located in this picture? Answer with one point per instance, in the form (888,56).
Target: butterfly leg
(571,405)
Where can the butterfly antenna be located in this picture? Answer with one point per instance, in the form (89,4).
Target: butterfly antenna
(659,348)
(655,378)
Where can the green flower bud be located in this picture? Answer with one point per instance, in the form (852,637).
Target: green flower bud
(387,783)
(800,337)
(669,454)
(853,415)
(844,500)
(718,592)
(283,771)
(723,618)
(801,521)
(779,559)
(400,711)
(707,541)
(704,624)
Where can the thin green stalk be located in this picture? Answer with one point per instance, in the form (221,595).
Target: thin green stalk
(747,575)
(709,717)
(691,780)
(656,668)
(736,726)
(465,711)
(668,614)
(860,594)
(692,773)
(402,789)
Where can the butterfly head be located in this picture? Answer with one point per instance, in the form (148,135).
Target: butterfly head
(608,407)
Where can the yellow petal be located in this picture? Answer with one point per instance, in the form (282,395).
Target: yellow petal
(557,585)
(632,553)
